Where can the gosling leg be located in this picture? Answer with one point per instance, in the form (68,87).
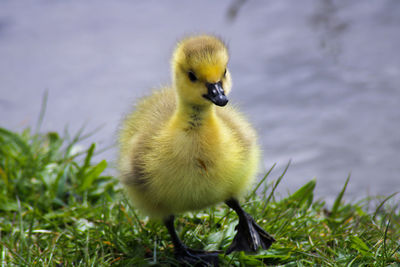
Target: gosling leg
(187,255)
(250,236)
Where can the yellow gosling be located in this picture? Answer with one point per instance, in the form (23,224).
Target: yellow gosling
(184,148)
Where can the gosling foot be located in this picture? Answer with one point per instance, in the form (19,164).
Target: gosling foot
(192,257)
(250,236)
(187,256)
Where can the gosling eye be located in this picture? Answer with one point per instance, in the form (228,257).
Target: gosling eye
(225,73)
(192,76)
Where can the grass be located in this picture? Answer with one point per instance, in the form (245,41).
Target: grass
(58,208)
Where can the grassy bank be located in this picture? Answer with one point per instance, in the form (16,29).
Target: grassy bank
(57,208)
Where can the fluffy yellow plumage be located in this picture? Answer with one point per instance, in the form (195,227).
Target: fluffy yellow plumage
(182,149)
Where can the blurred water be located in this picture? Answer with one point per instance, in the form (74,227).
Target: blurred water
(320,80)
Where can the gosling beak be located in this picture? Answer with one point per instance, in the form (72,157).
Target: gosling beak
(216,94)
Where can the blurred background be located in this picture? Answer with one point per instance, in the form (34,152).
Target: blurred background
(319,79)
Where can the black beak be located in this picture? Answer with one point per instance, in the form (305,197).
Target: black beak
(216,94)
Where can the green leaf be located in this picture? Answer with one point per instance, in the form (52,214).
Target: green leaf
(10,206)
(92,174)
(304,196)
(360,246)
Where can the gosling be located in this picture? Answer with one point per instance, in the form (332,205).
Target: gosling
(184,148)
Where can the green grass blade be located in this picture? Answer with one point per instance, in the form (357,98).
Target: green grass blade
(262,181)
(42,112)
(382,204)
(277,183)
(339,198)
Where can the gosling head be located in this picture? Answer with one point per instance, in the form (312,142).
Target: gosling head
(200,72)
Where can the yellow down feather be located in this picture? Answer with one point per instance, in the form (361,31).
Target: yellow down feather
(179,151)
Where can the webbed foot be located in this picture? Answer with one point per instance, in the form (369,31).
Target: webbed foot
(192,257)
(250,236)
(187,256)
